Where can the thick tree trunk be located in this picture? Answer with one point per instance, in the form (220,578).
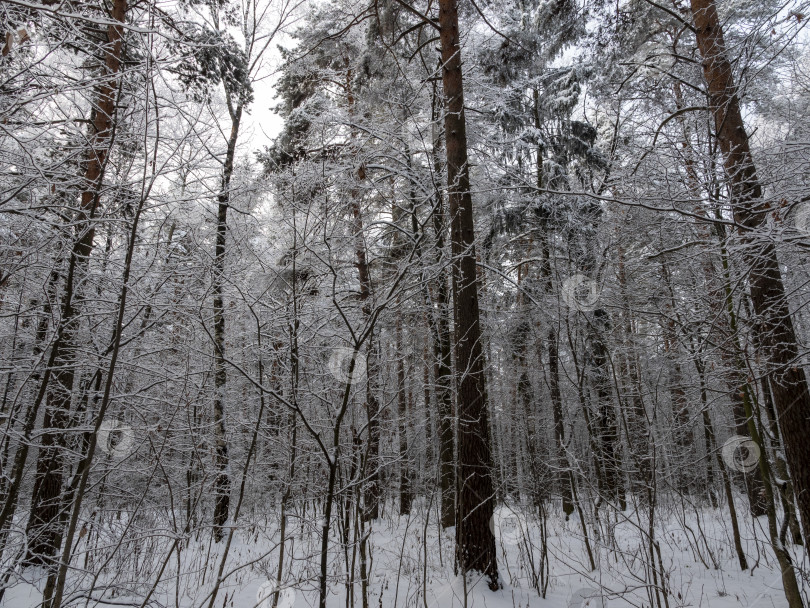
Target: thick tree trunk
(723,308)
(475,541)
(777,337)
(44,528)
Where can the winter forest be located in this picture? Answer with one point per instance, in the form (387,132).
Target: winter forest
(404,303)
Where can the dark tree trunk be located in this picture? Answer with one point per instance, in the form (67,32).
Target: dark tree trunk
(21,455)
(404,397)
(525,394)
(681,415)
(565,476)
(638,428)
(780,466)
(405,495)
(564,473)
(475,542)
(371,485)
(44,528)
(441,352)
(371,493)
(222,482)
(605,426)
(711,447)
(732,355)
(520,338)
(777,337)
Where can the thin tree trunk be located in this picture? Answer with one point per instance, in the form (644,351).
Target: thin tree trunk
(83,470)
(638,426)
(681,416)
(789,582)
(564,473)
(521,335)
(784,484)
(222,483)
(606,423)
(21,454)
(738,379)
(711,448)
(441,350)
(371,494)
(405,495)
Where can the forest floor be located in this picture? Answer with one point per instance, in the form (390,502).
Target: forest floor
(412,567)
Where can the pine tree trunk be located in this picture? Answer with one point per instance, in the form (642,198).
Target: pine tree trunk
(475,541)
(44,528)
(777,337)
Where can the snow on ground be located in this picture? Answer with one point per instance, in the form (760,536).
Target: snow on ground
(400,546)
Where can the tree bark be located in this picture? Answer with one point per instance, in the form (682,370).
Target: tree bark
(443,366)
(44,526)
(777,336)
(722,307)
(405,492)
(637,425)
(681,415)
(371,491)
(475,542)
(564,473)
(606,426)
(222,482)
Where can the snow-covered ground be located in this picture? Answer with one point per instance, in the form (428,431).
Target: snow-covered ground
(412,566)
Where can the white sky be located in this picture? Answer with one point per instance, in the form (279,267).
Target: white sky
(262,124)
